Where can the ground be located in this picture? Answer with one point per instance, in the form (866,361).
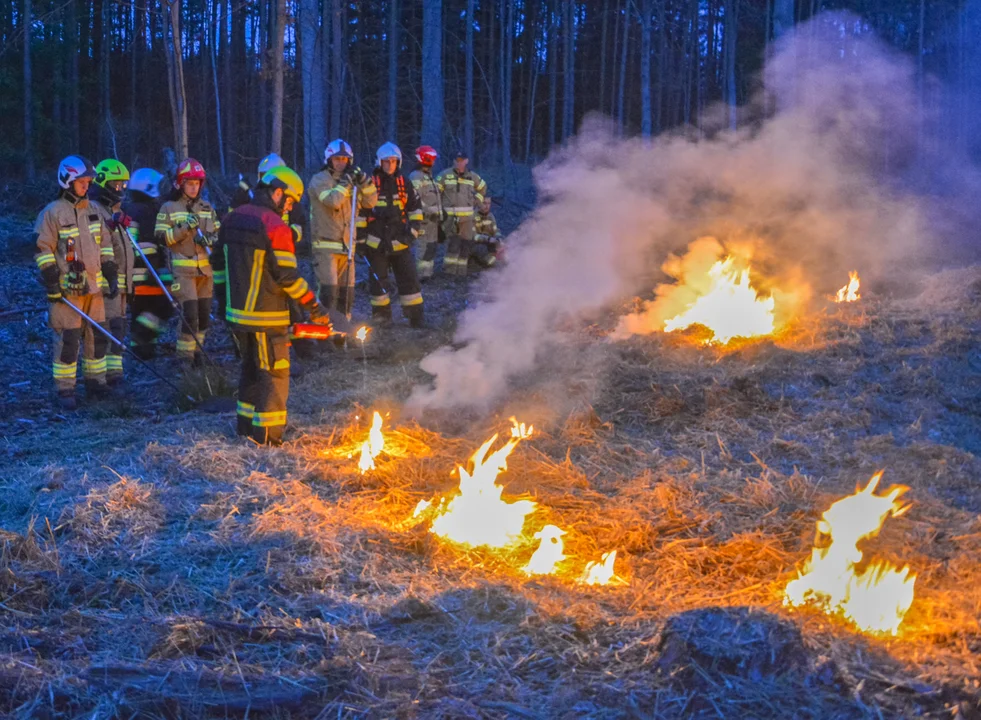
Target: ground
(154,565)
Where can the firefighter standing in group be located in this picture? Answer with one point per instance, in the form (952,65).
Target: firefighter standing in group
(150,308)
(432,211)
(488,243)
(257,253)
(76,261)
(462,191)
(189,226)
(330,194)
(393,225)
(111,180)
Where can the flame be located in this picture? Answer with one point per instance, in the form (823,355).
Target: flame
(478,515)
(362,333)
(549,552)
(373,446)
(599,572)
(520,430)
(849,293)
(875,599)
(729,307)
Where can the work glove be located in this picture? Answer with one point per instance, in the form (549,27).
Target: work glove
(358,176)
(119,220)
(189,225)
(297,233)
(317,314)
(76,282)
(415,228)
(206,240)
(51,279)
(435,215)
(110,272)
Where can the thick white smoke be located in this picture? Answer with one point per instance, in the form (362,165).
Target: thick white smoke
(803,190)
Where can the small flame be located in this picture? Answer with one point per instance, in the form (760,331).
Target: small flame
(877,598)
(729,308)
(599,572)
(373,446)
(549,552)
(849,293)
(362,333)
(520,430)
(478,515)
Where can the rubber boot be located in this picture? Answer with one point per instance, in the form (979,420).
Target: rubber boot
(415,315)
(66,400)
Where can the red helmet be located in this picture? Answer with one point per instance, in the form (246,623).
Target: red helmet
(426,154)
(189,169)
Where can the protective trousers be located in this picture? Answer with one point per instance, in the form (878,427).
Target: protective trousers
(410,294)
(426,246)
(69,329)
(150,316)
(459,237)
(116,320)
(264,385)
(335,282)
(194,293)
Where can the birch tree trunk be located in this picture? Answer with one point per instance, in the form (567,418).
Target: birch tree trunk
(731,37)
(175,67)
(468,133)
(278,48)
(432,72)
(624,45)
(393,54)
(27,23)
(569,76)
(553,72)
(214,77)
(509,27)
(312,79)
(336,66)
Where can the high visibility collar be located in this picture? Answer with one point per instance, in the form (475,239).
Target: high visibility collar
(77,202)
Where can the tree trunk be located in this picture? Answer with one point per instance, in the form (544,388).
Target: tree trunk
(175,67)
(337,66)
(28,23)
(71,36)
(214,76)
(468,81)
(646,116)
(624,46)
(108,32)
(731,37)
(393,54)
(311,66)
(509,28)
(279,41)
(569,74)
(783,17)
(432,72)
(553,72)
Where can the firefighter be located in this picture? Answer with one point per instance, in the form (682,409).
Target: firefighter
(432,210)
(330,222)
(257,253)
(488,243)
(189,226)
(151,310)
(111,179)
(77,262)
(243,191)
(462,191)
(393,225)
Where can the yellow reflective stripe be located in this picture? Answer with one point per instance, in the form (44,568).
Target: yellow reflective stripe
(106,252)
(465,181)
(114,362)
(298,289)
(380,300)
(93,367)
(460,213)
(396,246)
(71,232)
(263,351)
(190,262)
(269,419)
(185,346)
(148,248)
(328,245)
(277,318)
(285,258)
(45,259)
(370,190)
(412,299)
(373,242)
(64,370)
(220,276)
(282,364)
(245,409)
(361,222)
(342,189)
(382,203)
(323,195)
(416,215)
(258,259)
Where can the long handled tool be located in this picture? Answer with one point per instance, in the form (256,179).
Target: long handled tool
(170,298)
(349,270)
(97,327)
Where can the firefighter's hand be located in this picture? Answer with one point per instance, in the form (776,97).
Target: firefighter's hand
(360,249)
(358,176)
(317,314)
(206,239)
(119,220)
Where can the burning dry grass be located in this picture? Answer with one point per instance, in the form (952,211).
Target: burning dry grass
(284,583)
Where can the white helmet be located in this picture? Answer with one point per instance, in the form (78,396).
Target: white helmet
(388,150)
(269,162)
(72,168)
(146,181)
(337,147)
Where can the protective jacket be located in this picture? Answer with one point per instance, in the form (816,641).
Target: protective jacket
(143,213)
(187,256)
(485,228)
(256,252)
(461,192)
(330,209)
(69,231)
(122,248)
(396,210)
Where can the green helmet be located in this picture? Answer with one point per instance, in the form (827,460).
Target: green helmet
(286,180)
(110,170)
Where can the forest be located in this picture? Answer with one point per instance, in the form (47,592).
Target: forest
(230,80)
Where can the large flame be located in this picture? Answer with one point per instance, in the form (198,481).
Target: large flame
(478,515)
(849,293)
(550,551)
(875,599)
(729,308)
(373,446)
(599,572)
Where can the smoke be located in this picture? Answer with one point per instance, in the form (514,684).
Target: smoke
(806,192)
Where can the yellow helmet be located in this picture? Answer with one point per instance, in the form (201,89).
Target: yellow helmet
(285,179)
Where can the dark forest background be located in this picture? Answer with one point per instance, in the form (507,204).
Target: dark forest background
(230,80)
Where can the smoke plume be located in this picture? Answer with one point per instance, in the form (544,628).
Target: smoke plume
(807,189)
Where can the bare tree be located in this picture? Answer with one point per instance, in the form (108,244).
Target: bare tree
(312,75)
(432,72)
(393,54)
(278,48)
(28,98)
(468,81)
(337,66)
(569,73)
(646,115)
(175,75)
(214,77)
(783,17)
